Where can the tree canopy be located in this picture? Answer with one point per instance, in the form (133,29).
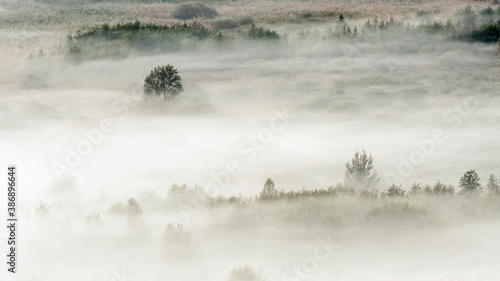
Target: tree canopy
(163,82)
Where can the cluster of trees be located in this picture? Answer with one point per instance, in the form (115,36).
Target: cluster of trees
(467,25)
(121,40)
(361,179)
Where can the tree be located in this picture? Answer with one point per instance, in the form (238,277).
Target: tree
(42,210)
(360,173)
(395,191)
(469,17)
(493,185)
(470,182)
(133,207)
(163,82)
(245,273)
(415,189)
(269,192)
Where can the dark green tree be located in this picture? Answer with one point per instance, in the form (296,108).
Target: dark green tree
(163,82)
(360,173)
(470,182)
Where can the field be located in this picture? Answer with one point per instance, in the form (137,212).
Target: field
(310,140)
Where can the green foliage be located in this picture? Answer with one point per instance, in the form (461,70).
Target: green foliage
(395,191)
(487,12)
(122,40)
(368,194)
(415,189)
(360,173)
(262,33)
(232,23)
(442,189)
(245,273)
(163,82)
(119,40)
(187,11)
(488,33)
(470,182)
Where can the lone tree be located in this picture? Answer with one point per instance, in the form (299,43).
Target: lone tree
(360,173)
(269,191)
(469,182)
(493,185)
(163,82)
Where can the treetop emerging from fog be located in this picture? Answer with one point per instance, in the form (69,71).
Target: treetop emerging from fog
(163,82)
(360,173)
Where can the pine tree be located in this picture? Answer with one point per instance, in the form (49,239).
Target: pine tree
(269,192)
(360,172)
(493,185)
(470,182)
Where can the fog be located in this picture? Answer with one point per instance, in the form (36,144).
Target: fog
(296,112)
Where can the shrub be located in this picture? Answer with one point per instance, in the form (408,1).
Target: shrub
(487,12)
(245,21)
(189,11)
(245,273)
(488,33)
(415,189)
(261,33)
(225,24)
(442,189)
(395,191)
